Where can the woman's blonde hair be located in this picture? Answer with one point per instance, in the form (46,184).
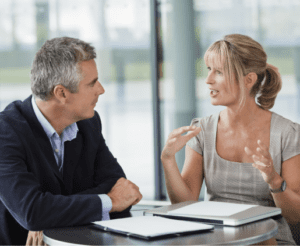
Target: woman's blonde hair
(239,55)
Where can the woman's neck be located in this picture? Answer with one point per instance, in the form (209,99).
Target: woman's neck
(241,116)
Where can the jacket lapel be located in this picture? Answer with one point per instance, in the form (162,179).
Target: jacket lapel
(41,137)
(71,158)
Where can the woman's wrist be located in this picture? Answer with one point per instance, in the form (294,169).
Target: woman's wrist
(168,160)
(276,182)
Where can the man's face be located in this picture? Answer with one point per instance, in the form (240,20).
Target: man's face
(82,103)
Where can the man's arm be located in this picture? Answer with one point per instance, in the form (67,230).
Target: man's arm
(109,178)
(33,207)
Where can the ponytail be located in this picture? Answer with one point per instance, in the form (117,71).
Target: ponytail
(269,88)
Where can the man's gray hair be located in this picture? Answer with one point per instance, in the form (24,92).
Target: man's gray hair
(57,63)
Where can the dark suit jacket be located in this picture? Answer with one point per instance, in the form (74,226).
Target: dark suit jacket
(33,194)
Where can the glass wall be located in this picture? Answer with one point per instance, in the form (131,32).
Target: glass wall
(274,24)
(183,92)
(120,31)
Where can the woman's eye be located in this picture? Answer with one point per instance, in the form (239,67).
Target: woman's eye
(209,68)
(219,72)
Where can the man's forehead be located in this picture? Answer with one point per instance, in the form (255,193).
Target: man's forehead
(88,69)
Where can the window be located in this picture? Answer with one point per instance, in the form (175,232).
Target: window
(120,31)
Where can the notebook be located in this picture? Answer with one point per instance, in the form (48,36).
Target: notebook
(151,227)
(218,213)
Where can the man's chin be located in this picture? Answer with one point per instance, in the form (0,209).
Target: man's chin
(87,116)
(92,114)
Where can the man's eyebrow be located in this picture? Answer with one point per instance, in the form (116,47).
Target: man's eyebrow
(93,81)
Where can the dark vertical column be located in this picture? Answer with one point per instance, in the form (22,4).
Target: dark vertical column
(158,173)
(42,22)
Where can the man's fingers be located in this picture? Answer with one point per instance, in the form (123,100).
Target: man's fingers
(41,242)
(29,239)
(138,199)
(35,238)
(123,194)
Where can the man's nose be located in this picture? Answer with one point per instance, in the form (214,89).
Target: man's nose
(101,89)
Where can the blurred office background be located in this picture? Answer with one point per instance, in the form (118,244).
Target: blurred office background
(150,62)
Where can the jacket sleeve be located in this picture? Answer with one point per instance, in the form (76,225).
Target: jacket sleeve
(106,168)
(22,195)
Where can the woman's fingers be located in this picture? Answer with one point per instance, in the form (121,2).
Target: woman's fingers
(262,157)
(179,131)
(263,149)
(264,162)
(176,135)
(248,151)
(194,132)
(176,140)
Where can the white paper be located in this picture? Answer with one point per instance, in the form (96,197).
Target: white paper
(211,209)
(152,225)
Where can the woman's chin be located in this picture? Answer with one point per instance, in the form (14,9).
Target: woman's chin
(214,102)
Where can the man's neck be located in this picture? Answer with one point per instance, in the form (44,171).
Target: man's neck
(54,112)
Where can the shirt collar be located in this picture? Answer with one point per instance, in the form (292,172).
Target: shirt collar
(68,134)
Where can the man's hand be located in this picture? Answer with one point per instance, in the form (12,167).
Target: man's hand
(124,194)
(35,238)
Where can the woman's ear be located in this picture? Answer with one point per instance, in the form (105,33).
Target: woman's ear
(250,80)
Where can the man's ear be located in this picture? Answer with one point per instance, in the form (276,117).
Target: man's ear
(60,93)
(250,80)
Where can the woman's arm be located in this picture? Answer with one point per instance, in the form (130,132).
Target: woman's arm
(288,200)
(185,186)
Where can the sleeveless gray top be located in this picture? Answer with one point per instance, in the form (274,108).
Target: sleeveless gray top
(236,182)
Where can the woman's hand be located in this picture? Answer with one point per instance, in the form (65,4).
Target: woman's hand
(263,162)
(176,141)
(35,238)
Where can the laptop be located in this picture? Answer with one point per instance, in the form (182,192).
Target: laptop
(216,213)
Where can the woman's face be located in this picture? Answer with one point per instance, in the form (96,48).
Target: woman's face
(222,92)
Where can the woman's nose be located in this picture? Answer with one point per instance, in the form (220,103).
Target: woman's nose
(209,79)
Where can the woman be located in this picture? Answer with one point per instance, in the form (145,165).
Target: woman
(246,153)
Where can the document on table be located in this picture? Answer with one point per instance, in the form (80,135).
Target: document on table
(211,209)
(148,227)
(218,213)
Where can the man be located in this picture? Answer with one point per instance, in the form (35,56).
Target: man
(55,168)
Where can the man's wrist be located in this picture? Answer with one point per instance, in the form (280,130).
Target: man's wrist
(106,206)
